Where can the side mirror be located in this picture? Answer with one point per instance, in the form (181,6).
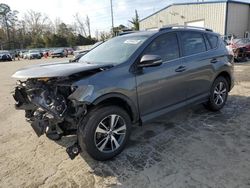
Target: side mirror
(150,61)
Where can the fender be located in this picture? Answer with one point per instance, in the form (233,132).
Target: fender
(229,75)
(131,104)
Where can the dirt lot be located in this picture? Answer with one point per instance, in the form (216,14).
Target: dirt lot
(194,148)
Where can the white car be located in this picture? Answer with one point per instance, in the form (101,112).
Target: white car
(33,54)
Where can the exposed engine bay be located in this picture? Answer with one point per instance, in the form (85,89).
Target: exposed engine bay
(53,102)
(47,106)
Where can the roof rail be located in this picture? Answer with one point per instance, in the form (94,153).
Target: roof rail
(127,32)
(168,27)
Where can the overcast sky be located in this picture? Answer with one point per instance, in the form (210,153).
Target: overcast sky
(97,10)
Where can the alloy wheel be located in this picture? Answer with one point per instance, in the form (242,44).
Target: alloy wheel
(110,133)
(220,93)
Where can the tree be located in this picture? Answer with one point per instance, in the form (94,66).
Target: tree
(59,41)
(63,30)
(135,21)
(35,30)
(80,25)
(36,25)
(81,40)
(87,22)
(119,29)
(105,35)
(8,18)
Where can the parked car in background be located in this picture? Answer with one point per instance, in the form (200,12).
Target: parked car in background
(228,38)
(77,57)
(46,52)
(61,52)
(70,51)
(22,52)
(129,79)
(80,53)
(77,52)
(5,55)
(240,48)
(32,54)
(13,54)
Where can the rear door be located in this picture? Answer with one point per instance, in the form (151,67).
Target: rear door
(162,86)
(198,63)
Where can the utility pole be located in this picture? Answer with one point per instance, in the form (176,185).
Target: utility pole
(112,16)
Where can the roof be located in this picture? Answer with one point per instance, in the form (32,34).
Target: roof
(196,3)
(139,33)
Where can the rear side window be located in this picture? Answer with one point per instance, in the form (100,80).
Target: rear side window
(165,46)
(193,43)
(213,40)
(207,43)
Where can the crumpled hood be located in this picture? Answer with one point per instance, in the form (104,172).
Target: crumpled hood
(54,70)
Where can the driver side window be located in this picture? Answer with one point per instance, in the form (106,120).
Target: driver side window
(166,46)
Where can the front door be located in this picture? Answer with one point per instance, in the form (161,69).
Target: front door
(162,86)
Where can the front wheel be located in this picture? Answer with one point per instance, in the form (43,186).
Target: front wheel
(218,94)
(105,132)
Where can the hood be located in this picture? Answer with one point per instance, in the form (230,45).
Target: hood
(55,70)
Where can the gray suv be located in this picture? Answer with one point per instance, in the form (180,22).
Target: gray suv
(129,79)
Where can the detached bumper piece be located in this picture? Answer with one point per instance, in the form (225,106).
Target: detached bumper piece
(73,150)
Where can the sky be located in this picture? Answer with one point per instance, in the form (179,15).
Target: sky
(97,10)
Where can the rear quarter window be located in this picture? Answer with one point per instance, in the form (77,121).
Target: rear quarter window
(213,40)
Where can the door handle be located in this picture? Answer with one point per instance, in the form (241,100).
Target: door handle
(214,60)
(180,68)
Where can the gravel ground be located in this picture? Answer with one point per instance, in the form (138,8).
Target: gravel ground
(192,148)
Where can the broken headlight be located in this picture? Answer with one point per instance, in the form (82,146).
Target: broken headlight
(81,92)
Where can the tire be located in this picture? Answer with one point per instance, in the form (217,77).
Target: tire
(100,141)
(218,94)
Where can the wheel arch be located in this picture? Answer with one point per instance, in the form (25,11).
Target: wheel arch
(119,100)
(227,76)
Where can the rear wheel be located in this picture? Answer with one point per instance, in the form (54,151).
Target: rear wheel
(105,133)
(218,94)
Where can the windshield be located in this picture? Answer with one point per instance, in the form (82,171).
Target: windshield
(4,52)
(95,45)
(115,51)
(33,51)
(58,51)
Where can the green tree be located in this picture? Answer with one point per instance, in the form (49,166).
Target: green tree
(135,21)
(8,19)
(81,40)
(58,41)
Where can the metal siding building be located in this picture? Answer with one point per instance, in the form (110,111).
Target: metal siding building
(224,17)
(238,19)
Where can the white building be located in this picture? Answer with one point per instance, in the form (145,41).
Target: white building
(224,17)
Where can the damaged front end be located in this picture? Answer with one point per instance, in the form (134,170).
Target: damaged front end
(48,107)
(53,99)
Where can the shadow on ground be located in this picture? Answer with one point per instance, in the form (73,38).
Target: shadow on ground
(193,147)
